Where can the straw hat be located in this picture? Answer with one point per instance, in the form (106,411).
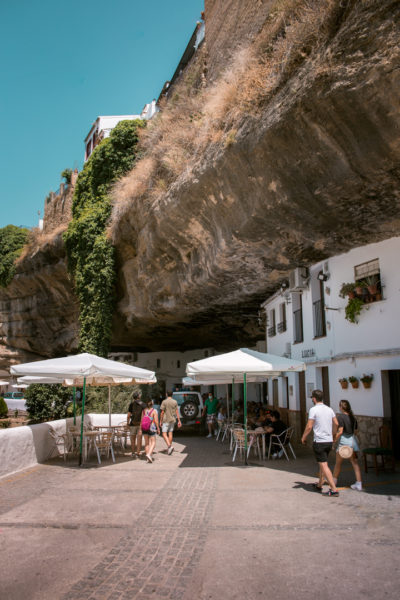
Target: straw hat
(345,451)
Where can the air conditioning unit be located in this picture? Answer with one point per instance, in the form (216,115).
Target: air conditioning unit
(298,279)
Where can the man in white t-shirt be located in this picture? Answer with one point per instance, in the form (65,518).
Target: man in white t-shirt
(322,420)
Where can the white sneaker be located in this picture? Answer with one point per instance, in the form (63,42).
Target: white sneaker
(357,486)
(275,455)
(170,450)
(209,435)
(149,459)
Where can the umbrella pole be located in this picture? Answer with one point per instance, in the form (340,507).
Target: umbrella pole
(82,419)
(233,396)
(245,418)
(227,401)
(109,405)
(74,390)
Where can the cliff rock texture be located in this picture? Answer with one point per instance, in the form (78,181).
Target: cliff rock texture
(314,173)
(38,310)
(306,169)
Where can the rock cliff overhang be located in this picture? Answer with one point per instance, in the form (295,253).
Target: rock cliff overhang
(313,174)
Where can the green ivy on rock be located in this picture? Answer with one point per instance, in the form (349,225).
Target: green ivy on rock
(12,240)
(91,257)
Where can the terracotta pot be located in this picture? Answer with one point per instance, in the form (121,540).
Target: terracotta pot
(372,289)
(367,384)
(351,295)
(344,384)
(378,296)
(354,384)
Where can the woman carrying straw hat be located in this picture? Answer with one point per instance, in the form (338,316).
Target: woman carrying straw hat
(347,446)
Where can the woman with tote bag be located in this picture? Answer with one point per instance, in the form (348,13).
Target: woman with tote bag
(347,445)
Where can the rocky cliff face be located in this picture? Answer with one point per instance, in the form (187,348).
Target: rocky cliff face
(38,310)
(312,173)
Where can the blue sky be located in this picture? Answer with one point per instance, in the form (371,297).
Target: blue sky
(63,63)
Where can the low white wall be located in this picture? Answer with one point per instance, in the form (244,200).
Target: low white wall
(24,447)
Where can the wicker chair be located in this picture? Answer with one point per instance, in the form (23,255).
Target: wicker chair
(103,443)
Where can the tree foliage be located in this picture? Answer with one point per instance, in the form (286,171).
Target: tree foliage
(3,408)
(12,240)
(91,257)
(47,402)
(97,399)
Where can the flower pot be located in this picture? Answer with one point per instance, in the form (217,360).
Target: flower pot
(351,295)
(354,384)
(344,384)
(367,384)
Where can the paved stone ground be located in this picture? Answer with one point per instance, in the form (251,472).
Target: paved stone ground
(195,526)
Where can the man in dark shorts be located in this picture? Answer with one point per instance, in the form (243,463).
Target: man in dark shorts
(322,420)
(133,421)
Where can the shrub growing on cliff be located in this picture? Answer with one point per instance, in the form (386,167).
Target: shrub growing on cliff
(3,408)
(91,257)
(12,240)
(47,402)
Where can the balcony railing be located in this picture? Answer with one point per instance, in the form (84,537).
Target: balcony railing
(281,326)
(298,326)
(272,331)
(319,318)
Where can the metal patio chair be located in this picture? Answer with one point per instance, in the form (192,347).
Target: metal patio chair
(281,442)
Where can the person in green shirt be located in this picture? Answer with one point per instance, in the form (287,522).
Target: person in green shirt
(210,410)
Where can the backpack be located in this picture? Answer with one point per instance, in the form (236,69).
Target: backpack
(137,408)
(147,421)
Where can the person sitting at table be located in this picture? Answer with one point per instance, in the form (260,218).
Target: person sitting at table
(238,413)
(275,427)
(264,420)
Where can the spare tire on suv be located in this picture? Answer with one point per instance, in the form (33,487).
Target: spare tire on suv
(190,405)
(189,409)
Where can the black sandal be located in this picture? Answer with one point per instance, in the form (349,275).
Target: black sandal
(330,493)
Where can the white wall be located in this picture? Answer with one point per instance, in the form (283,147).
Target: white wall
(24,447)
(371,346)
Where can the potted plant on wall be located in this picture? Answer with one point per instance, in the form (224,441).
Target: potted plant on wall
(347,289)
(359,286)
(367,380)
(354,381)
(344,382)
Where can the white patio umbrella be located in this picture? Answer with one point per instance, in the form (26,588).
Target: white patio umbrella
(241,365)
(3,382)
(21,386)
(84,368)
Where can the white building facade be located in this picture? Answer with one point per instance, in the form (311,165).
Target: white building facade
(306,320)
(103,125)
(170,369)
